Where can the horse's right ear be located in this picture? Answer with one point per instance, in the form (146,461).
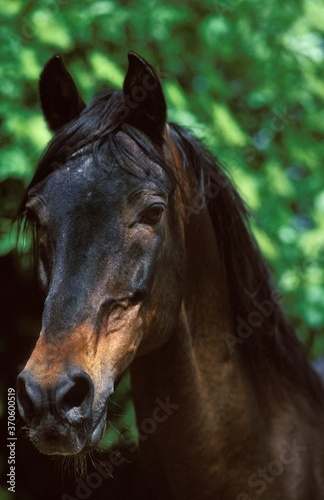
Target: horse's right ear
(59,96)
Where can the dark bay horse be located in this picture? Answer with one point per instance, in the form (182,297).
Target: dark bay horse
(147,261)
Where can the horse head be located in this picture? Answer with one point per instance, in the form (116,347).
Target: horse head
(110,251)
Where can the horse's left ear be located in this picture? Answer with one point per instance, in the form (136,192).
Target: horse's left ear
(144,99)
(60,99)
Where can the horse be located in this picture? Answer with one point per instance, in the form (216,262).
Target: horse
(147,260)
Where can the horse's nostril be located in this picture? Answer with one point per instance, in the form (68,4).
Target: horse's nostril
(29,398)
(76,395)
(74,398)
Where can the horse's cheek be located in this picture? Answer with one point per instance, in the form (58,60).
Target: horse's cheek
(119,340)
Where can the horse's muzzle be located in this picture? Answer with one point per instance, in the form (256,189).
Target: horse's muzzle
(59,416)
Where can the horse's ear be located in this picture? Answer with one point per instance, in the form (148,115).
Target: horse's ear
(59,96)
(143,98)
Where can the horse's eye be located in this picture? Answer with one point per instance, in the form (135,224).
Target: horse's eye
(152,214)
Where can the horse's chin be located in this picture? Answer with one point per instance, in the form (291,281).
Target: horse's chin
(67,441)
(57,444)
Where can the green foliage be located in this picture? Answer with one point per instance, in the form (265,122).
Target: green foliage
(246,76)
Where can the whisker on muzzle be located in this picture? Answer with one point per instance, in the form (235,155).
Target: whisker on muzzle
(75,466)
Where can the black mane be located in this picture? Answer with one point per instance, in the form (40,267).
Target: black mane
(272,347)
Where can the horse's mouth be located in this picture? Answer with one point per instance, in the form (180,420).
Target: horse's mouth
(62,439)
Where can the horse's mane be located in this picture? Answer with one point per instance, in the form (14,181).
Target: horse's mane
(273,346)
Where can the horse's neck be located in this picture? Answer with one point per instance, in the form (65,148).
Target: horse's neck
(205,431)
(206,405)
